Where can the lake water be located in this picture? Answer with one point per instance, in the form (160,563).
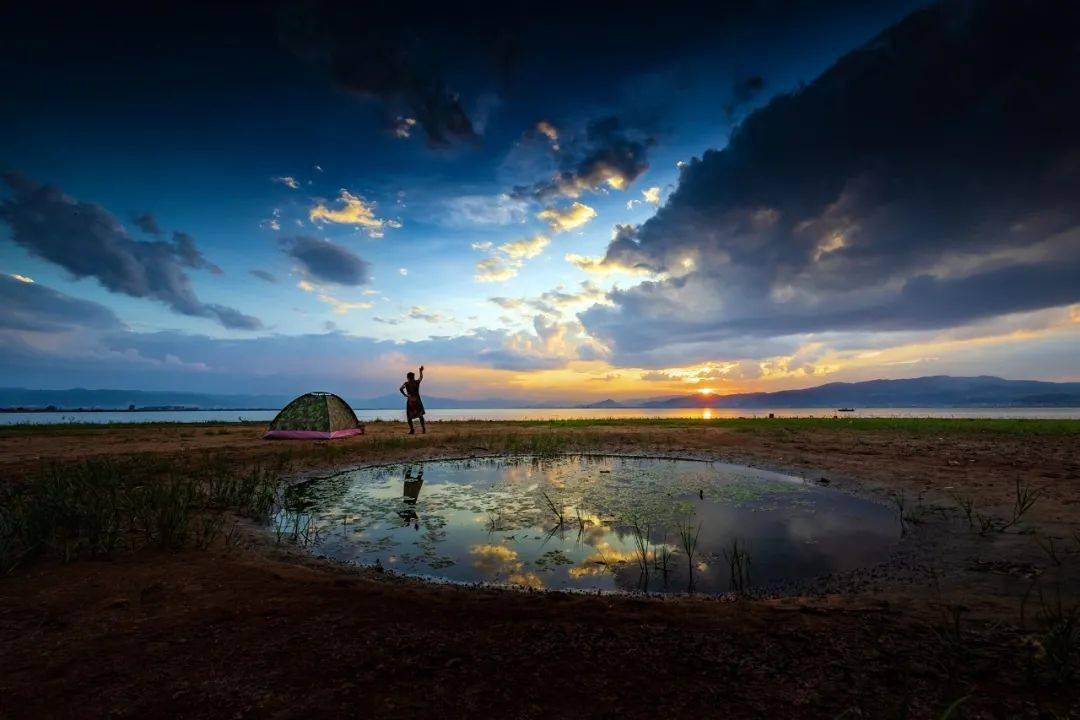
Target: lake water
(187,416)
(588,523)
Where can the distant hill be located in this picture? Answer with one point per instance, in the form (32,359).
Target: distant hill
(937,391)
(934,391)
(106,399)
(122,399)
(609,403)
(393,400)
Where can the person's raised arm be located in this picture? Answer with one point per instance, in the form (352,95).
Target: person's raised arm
(421,378)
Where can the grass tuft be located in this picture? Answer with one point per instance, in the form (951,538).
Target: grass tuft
(95,508)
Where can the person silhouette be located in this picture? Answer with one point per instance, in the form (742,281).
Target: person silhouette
(414,406)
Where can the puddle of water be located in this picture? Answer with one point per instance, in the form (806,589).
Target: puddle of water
(625,523)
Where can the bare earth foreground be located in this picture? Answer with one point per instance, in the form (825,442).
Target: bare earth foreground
(246,628)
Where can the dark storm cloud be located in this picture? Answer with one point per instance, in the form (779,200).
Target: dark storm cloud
(607,155)
(148,224)
(435,62)
(33,307)
(923,302)
(927,180)
(190,256)
(88,241)
(264,275)
(325,261)
(382,58)
(743,91)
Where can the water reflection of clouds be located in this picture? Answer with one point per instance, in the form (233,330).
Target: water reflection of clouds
(603,560)
(487,520)
(501,562)
(495,560)
(529,579)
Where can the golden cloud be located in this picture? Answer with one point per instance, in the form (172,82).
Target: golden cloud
(352,210)
(525,248)
(603,266)
(547,130)
(342,307)
(573,217)
(495,269)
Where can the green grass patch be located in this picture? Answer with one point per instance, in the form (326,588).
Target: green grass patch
(96,508)
(1008,426)
(87,428)
(1011,426)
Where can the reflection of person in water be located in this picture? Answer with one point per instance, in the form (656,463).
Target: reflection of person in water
(414,406)
(411,494)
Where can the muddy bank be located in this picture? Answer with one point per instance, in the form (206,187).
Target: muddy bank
(984,464)
(255,630)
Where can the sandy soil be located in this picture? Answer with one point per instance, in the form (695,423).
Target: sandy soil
(253,631)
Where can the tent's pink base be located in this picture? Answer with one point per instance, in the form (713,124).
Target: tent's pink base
(311,434)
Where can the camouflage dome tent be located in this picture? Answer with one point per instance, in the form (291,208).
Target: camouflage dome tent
(315,416)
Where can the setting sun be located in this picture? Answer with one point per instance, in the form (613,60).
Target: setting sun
(707,391)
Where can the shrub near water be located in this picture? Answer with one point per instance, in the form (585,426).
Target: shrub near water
(97,507)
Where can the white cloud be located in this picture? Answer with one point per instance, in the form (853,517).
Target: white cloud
(337,305)
(507,259)
(403,127)
(342,307)
(274,221)
(419,312)
(651,195)
(286,180)
(507,303)
(495,269)
(558,302)
(23,278)
(472,210)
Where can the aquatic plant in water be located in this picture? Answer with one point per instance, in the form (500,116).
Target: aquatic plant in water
(738,560)
(576,522)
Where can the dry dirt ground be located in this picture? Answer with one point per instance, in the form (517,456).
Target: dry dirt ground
(253,631)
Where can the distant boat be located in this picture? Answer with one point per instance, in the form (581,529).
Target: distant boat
(845,410)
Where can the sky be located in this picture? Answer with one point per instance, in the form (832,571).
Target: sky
(618,200)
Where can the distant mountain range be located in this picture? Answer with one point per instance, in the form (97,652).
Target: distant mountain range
(82,398)
(393,400)
(609,403)
(122,399)
(936,391)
